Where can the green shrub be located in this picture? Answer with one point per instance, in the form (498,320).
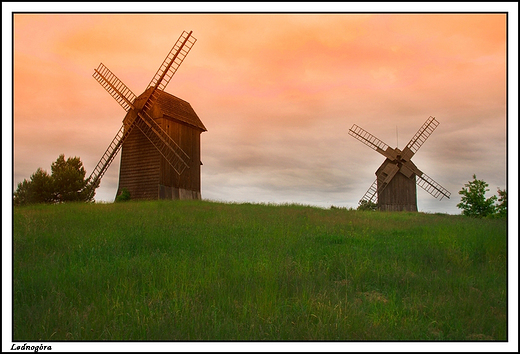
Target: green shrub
(123,196)
(365,205)
(473,201)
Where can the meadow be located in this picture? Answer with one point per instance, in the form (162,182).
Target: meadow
(202,270)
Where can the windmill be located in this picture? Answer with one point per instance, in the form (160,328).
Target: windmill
(395,186)
(159,138)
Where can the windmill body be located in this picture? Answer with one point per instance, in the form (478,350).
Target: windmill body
(159,138)
(395,186)
(400,194)
(144,172)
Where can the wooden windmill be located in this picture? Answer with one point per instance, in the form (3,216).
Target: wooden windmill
(159,138)
(395,186)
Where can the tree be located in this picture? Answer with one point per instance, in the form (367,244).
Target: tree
(21,196)
(473,202)
(501,207)
(68,179)
(66,183)
(39,189)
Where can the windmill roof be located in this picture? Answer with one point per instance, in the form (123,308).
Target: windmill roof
(176,108)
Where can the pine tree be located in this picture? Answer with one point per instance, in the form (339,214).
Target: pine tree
(66,184)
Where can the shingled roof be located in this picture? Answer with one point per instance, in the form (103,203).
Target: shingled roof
(176,108)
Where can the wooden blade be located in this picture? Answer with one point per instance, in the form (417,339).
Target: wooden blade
(432,187)
(115,87)
(419,138)
(372,142)
(170,65)
(371,194)
(109,155)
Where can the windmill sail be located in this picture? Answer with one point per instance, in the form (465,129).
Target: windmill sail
(107,158)
(125,97)
(115,87)
(372,142)
(170,65)
(371,194)
(432,187)
(420,137)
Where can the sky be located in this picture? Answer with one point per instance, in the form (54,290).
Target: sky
(277,94)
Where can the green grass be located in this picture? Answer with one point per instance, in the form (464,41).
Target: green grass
(199,270)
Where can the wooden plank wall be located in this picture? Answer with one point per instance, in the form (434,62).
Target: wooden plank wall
(145,173)
(140,164)
(399,195)
(188,139)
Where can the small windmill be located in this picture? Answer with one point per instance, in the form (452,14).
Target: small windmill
(160,135)
(395,186)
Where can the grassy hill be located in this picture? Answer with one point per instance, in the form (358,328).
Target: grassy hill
(199,270)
